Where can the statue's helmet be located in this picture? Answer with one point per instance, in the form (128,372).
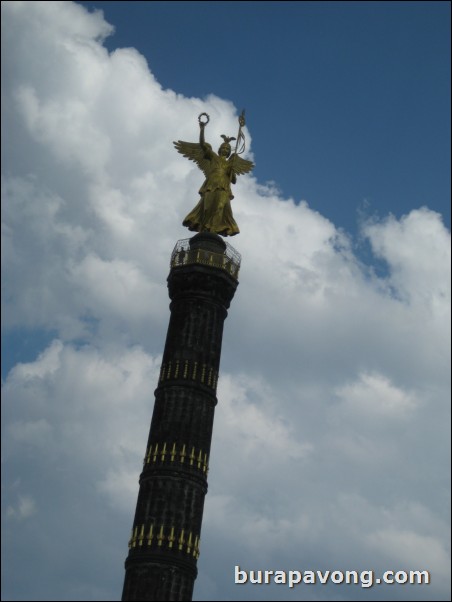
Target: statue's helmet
(225,145)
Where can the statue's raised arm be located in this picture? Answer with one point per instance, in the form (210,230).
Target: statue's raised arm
(213,212)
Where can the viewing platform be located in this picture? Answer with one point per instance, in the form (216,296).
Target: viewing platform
(206,249)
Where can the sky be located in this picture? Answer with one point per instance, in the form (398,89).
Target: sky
(331,443)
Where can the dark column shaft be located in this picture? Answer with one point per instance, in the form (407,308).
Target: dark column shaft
(165,541)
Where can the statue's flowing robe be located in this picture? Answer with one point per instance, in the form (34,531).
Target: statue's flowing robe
(213,212)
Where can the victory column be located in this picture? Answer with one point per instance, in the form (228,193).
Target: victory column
(165,541)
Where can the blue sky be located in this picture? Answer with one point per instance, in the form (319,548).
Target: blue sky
(348,102)
(334,396)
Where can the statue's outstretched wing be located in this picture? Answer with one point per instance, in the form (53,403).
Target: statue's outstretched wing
(194,152)
(239,165)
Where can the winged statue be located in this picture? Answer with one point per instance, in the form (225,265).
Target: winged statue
(213,212)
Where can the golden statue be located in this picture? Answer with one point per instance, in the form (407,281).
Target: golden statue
(213,213)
